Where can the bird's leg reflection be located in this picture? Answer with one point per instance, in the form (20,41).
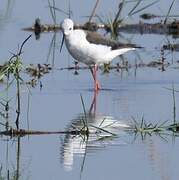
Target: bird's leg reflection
(103,130)
(93,103)
(18,158)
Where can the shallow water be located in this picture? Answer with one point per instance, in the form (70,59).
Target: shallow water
(57,106)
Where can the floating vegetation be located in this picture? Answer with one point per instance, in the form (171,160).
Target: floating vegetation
(114,27)
(171,47)
(38,70)
(125,65)
(38,28)
(145,128)
(148,16)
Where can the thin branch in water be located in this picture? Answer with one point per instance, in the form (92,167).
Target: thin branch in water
(28,109)
(52,10)
(132,10)
(20,51)
(174,104)
(143,8)
(57,9)
(18,78)
(18,99)
(165,21)
(52,49)
(93,11)
(120,7)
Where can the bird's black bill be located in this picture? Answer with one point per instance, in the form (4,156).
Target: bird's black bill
(61,46)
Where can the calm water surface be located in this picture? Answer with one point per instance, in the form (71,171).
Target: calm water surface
(58,106)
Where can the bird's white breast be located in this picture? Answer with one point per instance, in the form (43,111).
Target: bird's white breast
(84,51)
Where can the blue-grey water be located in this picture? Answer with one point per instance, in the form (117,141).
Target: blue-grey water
(57,106)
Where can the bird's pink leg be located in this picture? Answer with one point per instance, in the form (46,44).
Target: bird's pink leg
(97,86)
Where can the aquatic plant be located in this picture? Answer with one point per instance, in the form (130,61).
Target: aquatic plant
(11,70)
(144,128)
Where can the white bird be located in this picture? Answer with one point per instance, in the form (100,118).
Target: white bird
(91,48)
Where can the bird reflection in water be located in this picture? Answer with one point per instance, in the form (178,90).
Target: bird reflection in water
(103,131)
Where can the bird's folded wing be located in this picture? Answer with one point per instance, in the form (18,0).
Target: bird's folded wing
(96,38)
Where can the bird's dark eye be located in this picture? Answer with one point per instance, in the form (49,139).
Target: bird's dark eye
(70,28)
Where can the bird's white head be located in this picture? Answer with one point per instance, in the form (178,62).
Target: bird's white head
(67,26)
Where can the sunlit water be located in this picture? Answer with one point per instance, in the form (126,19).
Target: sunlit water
(58,106)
